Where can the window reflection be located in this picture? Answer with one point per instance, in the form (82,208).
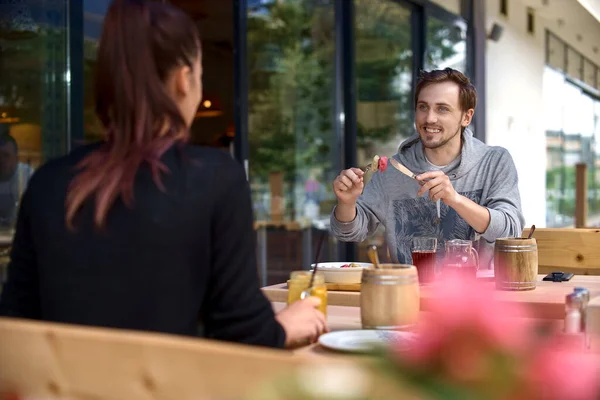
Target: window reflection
(384,65)
(446,45)
(33,95)
(291,133)
(572,136)
(33,100)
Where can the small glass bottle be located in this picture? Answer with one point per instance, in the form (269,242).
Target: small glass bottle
(573,318)
(299,281)
(585,298)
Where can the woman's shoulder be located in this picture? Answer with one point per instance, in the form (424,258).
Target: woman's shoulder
(211,155)
(64,165)
(214,162)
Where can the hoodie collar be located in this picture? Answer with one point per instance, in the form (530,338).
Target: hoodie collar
(410,153)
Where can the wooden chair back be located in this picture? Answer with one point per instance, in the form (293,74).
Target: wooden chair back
(568,250)
(46,360)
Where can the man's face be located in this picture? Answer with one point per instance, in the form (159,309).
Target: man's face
(8,161)
(438,117)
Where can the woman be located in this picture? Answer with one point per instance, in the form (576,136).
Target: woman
(143,231)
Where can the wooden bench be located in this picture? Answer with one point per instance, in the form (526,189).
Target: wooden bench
(568,250)
(46,360)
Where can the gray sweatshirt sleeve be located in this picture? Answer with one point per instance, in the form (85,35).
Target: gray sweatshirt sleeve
(504,201)
(369,208)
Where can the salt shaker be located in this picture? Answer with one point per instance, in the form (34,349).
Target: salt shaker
(573,318)
(585,298)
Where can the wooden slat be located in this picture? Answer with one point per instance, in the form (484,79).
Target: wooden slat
(572,250)
(344,287)
(44,360)
(581,195)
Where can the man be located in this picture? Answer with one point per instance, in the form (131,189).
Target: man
(476,183)
(14,177)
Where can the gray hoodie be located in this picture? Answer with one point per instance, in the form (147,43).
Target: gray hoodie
(485,174)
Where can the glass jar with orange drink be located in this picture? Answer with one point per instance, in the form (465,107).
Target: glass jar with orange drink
(299,281)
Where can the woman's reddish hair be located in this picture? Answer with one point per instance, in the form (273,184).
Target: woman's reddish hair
(141,43)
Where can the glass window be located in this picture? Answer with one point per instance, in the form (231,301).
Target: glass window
(556,52)
(589,73)
(553,88)
(93,18)
(454,6)
(594,171)
(292,140)
(384,66)
(574,64)
(33,94)
(446,44)
(572,133)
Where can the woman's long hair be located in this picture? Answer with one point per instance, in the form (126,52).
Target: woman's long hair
(141,43)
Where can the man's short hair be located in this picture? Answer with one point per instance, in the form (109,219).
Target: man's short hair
(467,95)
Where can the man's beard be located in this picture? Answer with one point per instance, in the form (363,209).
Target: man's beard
(444,142)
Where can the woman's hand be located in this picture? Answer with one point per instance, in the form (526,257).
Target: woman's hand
(302,322)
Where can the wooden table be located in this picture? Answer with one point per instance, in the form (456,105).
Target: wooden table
(547,301)
(340,318)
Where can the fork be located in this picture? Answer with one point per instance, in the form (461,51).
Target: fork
(367,168)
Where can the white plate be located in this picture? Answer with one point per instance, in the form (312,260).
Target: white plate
(334,273)
(360,341)
(337,266)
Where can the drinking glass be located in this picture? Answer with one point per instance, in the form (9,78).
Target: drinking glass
(424,258)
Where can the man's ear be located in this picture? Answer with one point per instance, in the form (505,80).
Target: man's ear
(467,117)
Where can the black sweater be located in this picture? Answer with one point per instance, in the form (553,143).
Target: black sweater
(176,259)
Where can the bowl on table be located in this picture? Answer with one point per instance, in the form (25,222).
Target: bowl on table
(342,272)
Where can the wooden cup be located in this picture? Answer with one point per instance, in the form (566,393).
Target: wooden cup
(515,263)
(389,297)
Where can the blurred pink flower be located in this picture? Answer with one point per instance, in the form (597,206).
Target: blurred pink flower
(559,370)
(472,341)
(465,315)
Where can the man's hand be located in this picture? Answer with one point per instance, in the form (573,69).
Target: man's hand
(439,186)
(348,186)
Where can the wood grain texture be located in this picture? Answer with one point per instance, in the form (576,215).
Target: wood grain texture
(389,296)
(344,287)
(547,301)
(45,360)
(581,195)
(515,264)
(568,250)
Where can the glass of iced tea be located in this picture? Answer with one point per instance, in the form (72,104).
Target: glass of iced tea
(424,251)
(299,281)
